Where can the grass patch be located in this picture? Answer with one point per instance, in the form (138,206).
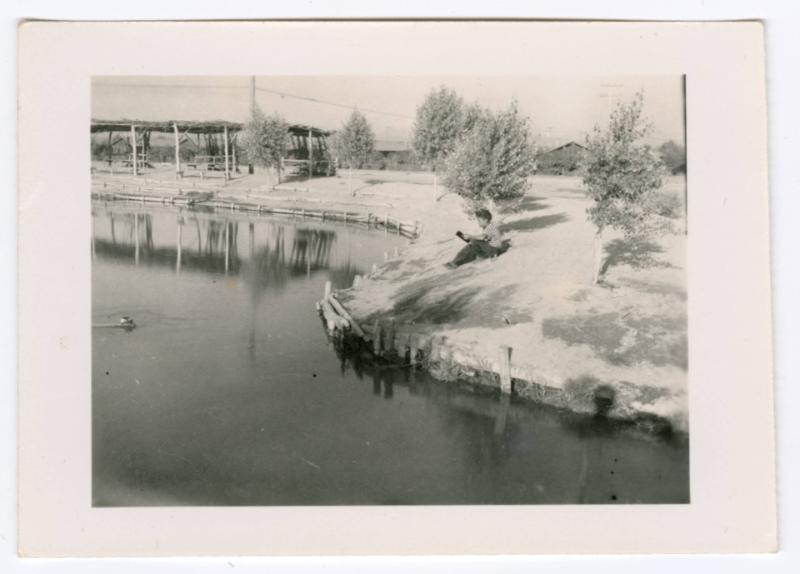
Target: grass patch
(623,340)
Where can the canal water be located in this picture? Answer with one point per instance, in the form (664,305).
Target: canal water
(229,392)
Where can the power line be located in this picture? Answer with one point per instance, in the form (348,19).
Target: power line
(265,90)
(335,104)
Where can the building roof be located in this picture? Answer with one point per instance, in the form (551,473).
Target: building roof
(392,145)
(192,127)
(563,147)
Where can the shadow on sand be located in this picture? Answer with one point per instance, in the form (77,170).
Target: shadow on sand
(636,252)
(534,223)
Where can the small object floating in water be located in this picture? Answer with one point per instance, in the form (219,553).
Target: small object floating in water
(125,322)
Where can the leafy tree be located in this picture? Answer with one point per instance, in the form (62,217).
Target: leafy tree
(266,140)
(493,160)
(621,176)
(674,156)
(438,126)
(355,143)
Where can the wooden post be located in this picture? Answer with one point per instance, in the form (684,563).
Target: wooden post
(110,148)
(374,268)
(505,369)
(113,235)
(233,155)
(177,152)
(93,251)
(386,256)
(327,289)
(413,349)
(135,154)
(435,349)
(397,252)
(356,281)
(376,338)
(225,136)
(310,154)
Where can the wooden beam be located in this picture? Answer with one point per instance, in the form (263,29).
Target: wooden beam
(177,151)
(226,144)
(310,154)
(135,154)
(110,148)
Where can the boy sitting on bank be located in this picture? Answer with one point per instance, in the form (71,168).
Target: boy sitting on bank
(486,244)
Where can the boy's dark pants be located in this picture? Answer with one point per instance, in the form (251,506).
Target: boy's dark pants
(474,249)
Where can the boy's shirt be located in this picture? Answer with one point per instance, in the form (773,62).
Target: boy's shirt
(492,234)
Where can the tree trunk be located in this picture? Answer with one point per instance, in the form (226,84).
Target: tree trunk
(597,276)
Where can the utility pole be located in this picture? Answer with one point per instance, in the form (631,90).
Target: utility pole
(250,168)
(252,94)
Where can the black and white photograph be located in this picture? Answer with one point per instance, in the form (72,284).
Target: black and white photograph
(389,290)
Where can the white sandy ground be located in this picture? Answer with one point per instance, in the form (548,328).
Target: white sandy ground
(538,298)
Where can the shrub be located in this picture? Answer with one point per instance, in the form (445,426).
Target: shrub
(494,159)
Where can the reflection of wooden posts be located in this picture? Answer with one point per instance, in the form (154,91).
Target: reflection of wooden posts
(376,338)
(177,152)
(390,336)
(135,156)
(502,416)
(136,238)
(226,144)
(113,234)
(93,251)
(227,246)
(179,242)
(110,147)
(505,369)
(252,240)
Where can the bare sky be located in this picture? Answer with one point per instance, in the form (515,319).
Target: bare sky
(560,108)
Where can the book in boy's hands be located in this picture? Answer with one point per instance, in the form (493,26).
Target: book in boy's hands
(461,236)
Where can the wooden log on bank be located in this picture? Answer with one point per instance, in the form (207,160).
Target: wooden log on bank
(339,308)
(332,318)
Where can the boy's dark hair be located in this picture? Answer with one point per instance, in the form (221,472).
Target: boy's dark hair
(483,214)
